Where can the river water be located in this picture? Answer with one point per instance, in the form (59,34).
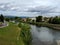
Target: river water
(44,36)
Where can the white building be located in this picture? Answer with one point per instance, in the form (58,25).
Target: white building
(33,18)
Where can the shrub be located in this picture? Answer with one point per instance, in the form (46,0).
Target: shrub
(25,33)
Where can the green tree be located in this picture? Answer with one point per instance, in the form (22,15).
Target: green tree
(39,19)
(11,19)
(33,21)
(55,20)
(50,20)
(1,18)
(7,19)
(59,20)
(28,19)
(17,19)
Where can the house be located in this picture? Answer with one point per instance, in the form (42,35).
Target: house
(24,19)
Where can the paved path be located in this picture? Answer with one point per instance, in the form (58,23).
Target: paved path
(18,35)
(4,25)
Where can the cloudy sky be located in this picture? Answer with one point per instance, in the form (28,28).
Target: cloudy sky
(30,7)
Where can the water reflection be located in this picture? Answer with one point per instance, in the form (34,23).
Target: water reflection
(44,36)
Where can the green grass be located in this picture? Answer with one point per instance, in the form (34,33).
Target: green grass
(9,35)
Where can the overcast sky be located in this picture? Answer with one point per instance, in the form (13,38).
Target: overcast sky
(30,7)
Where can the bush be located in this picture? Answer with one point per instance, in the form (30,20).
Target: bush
(25,33)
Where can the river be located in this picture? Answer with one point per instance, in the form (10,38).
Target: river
(44,36)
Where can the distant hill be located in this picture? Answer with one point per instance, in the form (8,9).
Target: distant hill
(17,16)
(10,16)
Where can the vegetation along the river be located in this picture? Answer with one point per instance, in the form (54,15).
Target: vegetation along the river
(25,34)
(51,22)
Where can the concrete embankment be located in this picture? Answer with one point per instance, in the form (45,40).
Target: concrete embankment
(54,26)
(58,42)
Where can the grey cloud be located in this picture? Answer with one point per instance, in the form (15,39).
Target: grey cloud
(31,7)
(43,9)
(8,7)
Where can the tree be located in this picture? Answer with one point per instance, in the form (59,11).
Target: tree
(7,19)
(1,18)
(39,19)
(55,20)
(50,20)
(17,19)
(33,21)
(59,20)
(11,19)
(28,19)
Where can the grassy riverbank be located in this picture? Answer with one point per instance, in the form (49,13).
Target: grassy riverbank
(9,35)
(54,26)
(25,34)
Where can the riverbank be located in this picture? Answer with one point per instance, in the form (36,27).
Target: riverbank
(9,35)
(25,34)
(54,26)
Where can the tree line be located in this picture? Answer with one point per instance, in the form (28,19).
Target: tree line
(6,18)
(53,20)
